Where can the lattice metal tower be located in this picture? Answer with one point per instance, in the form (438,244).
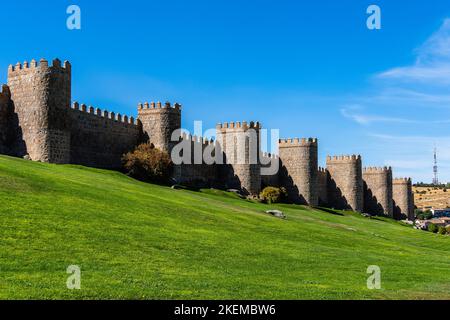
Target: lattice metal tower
(435,169)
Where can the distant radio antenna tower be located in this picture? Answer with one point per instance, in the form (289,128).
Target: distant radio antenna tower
(435,169)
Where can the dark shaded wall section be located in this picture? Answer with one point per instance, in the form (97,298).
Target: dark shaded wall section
(99,139)
(5,120)
(194,171)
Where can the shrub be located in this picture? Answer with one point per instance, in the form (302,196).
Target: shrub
(273,195)
(432,228)
(423,215)
(147,163)
(442,230)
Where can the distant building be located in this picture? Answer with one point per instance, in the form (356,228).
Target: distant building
(423,224)
(438,213)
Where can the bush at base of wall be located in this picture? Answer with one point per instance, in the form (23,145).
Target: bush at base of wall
(146,163)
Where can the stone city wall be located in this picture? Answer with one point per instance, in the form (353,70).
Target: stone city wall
(100,138)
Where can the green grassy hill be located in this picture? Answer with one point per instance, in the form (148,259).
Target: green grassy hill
(140,241)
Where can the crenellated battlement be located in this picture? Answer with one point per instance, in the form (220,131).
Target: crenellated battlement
(197,139)
(42,64)
(269,155)
(238,125)
(158,106)
(52,129)
(104,114)
(303,142)
(344,158)
(322,170)
(208,142)
(401,180)
(5,92)
(377,169)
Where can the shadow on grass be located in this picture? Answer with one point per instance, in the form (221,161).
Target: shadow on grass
(328,210)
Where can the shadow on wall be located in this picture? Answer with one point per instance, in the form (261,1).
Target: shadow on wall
(195,176)
(335,197)
(191,174)
(292,190)
(230,180)
(398,215)
(371,204)
(11,134)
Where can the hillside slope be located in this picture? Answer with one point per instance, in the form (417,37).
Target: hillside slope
(426,197)
(140,241)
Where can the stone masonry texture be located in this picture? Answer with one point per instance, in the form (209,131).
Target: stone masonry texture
(345,185)
(240,145)
(403,198)
(41,96)
(159,122)
(299,168)
(378,191)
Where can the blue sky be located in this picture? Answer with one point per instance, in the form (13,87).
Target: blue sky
(310,69)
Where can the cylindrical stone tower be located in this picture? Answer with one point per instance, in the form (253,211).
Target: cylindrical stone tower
(299,170)
(403,199)
(159,122)
(378,191)
(42,97)
(240,145)
(345,185)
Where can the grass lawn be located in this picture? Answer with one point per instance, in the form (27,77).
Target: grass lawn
(140,241)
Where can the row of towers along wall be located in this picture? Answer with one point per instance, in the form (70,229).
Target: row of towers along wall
(343,184)
(237,142)
(39,95)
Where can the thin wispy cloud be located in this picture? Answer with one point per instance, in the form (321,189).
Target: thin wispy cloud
(408,107)
(432,63)
(358,116)
(396,95)
(445,140)
(438,73)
